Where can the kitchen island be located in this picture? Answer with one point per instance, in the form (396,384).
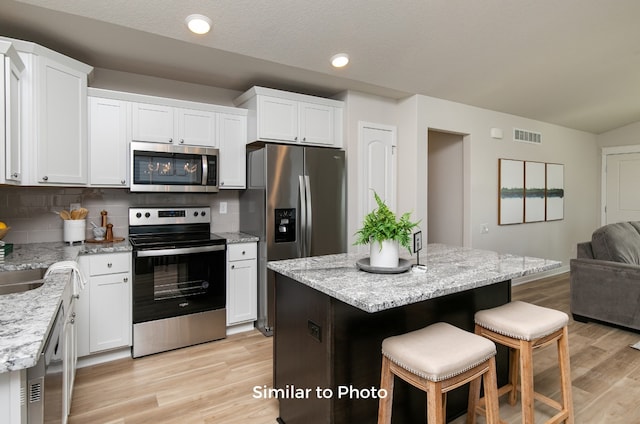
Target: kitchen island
(331,319)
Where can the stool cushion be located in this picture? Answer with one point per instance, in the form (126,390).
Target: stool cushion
(521,320)
(438,352)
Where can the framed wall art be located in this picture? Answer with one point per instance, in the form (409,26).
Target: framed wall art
(511,191)
(555,191)
(534,191)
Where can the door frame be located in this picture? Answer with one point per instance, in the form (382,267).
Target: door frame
(606,151)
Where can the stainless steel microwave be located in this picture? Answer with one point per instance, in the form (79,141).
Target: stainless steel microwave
(173,168)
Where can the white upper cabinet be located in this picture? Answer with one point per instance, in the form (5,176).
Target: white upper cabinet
(166,124)
(54,117)
(108,142)
(195,127)
(277,119)
(152,123)
(232,135)
(11,67)
(281,116)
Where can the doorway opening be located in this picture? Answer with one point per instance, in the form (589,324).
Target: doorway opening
(446,177)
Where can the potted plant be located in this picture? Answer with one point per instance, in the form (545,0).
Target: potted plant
(384,233)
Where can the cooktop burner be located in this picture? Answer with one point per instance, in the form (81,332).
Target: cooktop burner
(165,227)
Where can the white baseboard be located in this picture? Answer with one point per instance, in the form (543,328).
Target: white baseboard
(240,328)
(101,358)
(539,275)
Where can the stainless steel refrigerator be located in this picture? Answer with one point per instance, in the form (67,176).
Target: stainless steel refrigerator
(295,202)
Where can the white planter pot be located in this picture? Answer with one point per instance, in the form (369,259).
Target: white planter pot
(385,257)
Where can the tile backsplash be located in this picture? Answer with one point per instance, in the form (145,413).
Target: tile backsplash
(31,211)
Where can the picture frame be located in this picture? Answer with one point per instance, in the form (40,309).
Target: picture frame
(535,191)
(554,191)
(511,191)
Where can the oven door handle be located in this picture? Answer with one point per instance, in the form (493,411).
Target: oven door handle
(178,251)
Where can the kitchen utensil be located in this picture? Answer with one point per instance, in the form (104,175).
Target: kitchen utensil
(98,232)
(75,214)
(103,214)
(64,214)
(83,212)
(93,224)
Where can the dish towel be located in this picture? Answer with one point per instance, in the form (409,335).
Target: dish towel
(77,277)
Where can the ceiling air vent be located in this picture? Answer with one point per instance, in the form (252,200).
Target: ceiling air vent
(527,136)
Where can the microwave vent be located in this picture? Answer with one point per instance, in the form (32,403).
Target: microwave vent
(526,136)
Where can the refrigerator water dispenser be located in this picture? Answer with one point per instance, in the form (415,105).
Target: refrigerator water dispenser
(285,225)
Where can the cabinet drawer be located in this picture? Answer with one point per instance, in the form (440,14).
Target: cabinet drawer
(109,264)
(238,252)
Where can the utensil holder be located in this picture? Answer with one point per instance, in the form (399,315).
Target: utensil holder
(74,230)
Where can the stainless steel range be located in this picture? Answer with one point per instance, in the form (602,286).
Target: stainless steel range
(179,279)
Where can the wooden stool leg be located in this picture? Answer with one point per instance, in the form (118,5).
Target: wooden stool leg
(514,374)
(386,382)
(526,378)
(491,394)
(435,411)
(565,375)
(474,398)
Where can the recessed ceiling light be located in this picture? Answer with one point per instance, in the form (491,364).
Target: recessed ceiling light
(198,24)
(340,60)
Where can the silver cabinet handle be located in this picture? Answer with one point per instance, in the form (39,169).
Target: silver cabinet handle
(76,296)
(125,279)
(123,182)
(45,178)
(182,141)
(233,267)
(171,140)
(109,265)
(15,175)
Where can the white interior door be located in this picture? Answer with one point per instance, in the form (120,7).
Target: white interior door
(378,164)
(621,198)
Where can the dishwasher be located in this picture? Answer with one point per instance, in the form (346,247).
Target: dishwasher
(45,379)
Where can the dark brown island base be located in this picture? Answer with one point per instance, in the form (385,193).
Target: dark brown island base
(331,319)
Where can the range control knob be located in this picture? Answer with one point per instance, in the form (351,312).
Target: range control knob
(203,213)
(138,215)
(147,215)
(195,213)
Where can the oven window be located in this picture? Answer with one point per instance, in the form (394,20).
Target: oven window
(172,281)
(168,286)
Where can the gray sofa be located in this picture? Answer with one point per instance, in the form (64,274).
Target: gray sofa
(605,276)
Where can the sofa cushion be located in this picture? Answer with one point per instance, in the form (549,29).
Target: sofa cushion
(619,242)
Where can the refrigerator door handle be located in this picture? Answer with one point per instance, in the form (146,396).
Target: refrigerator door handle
(302,244)
(309,220)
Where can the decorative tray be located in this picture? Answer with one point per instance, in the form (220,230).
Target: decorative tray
(364,265)
(115,240)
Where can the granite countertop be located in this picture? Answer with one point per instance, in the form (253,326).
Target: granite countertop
(237,237)
(25,318)
(449,270)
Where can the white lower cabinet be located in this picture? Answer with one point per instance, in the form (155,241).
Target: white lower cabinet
(242,283)
(104,310)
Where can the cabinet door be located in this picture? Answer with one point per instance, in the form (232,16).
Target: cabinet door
(196,127)
(110,305)
(83,311)
(152,123)
(12,123)
(62,124)
(108,152)
(316,124)
(242,300)
(277,119)
(232,133)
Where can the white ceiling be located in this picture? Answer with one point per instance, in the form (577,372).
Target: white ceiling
(574,63)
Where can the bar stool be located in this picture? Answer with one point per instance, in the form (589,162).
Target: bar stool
(523,327)
(437,359)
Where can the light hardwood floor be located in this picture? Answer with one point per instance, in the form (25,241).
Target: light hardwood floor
(213,382)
